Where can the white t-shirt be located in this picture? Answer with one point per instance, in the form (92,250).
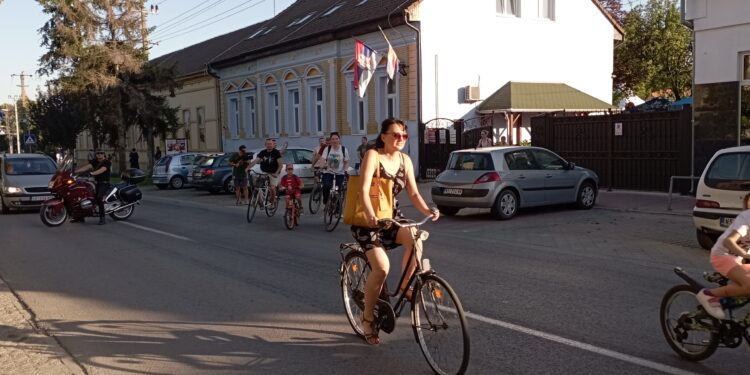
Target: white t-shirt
(740,225)
(335,159)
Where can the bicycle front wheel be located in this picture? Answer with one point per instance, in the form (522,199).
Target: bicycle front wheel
(333,213)
(252,206)
(440,326)
(689,330)
(354,274)
(315,197)
(289,218)
(271,204)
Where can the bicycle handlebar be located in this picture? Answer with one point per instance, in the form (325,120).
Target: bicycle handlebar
(410,223)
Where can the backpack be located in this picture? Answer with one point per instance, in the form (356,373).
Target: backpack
(343,151)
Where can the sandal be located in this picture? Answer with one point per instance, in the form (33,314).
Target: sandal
(370,338)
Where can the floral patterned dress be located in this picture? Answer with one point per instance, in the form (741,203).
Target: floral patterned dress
(369,238)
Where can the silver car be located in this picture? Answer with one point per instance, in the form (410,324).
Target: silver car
(24,179)
(173,171)
(506,179)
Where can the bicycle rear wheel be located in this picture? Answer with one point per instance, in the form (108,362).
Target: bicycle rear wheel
(252,206)
(689,330)
(440,326)
(315,197)
(354,274)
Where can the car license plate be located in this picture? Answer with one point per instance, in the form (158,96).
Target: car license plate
(453,191)
(726,221)
(41,197)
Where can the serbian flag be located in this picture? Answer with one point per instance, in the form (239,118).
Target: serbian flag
(366,63)
(392,66)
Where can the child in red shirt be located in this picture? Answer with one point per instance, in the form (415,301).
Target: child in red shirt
(292,185)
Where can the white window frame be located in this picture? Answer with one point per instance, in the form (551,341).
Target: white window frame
(357,111)
(249,114)
(549,6)
(233,115)
(273,120)
(186,119)
(200,117)
(293,123)
(384,96)
(316,108)
(508,8)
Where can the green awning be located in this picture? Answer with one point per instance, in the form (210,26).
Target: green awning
(540,97)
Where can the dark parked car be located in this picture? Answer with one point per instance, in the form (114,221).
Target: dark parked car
(213,173)
(653,105)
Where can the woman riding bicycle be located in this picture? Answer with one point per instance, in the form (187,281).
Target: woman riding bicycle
(336,160)
(396,166)
(726,258)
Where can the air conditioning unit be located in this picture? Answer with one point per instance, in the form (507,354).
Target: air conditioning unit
(471,94)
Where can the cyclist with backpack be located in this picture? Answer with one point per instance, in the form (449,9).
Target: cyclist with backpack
(336,162)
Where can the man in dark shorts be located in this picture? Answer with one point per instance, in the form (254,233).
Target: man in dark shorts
(240,163)
(100,168)
(270,162)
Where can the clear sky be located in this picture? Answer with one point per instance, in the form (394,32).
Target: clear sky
(179,23)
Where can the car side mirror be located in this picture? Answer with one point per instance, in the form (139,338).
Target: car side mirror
(571,165)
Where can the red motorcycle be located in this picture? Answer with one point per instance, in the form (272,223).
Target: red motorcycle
(76,196)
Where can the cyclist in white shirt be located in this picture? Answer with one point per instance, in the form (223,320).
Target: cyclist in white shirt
(336,158)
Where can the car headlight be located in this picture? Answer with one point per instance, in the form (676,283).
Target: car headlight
(11,189)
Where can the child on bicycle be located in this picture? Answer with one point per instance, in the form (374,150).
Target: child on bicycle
(726,258)
(292,185)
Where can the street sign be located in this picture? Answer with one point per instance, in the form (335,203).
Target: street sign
(29,139)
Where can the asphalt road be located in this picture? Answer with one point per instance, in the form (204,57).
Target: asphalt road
(188,286)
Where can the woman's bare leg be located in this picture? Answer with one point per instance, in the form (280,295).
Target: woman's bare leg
(379,265)
(740,285)
(405,238)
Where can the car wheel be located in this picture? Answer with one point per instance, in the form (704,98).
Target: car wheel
(586,196)
(506,205)
(229,186)
(450,211)
(177,182)
(161,186)
(3,208)
(706,240)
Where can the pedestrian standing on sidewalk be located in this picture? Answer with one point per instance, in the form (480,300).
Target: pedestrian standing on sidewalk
(484,140)
(134,159)
(101,169)
(157,154)
(361,150)
(240,163)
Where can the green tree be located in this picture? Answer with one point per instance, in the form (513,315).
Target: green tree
(59,118)
(656,55)
(95,47)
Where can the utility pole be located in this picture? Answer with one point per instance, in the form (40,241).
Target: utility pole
(24,98)
(144,29)
(18,132)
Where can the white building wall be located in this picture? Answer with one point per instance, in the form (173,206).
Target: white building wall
(722,32)
(474,45)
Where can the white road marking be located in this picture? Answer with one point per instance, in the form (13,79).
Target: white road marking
(583,346)
(158,231)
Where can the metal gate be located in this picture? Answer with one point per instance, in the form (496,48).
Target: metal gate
(437,139)
(638,151)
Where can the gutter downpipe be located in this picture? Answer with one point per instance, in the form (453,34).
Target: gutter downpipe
(219,124)
(419,72)
(689,24)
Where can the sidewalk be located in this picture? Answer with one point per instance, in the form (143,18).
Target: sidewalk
(620,200)
(25,349)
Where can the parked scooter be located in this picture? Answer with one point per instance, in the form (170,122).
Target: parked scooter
(76,196)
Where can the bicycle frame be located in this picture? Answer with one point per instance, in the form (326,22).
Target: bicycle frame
(262,190)
(414,278)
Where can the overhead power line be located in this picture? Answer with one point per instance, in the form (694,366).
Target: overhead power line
(195,27)
(163,26)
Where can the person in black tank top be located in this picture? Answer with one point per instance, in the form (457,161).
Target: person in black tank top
(394,165)
(100,168)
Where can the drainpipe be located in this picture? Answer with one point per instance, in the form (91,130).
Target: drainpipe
(419,68)
(212,72)
(689,24)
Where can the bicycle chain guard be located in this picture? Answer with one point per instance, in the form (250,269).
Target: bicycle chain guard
(386,318)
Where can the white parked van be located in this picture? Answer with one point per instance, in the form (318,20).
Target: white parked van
(718,199)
